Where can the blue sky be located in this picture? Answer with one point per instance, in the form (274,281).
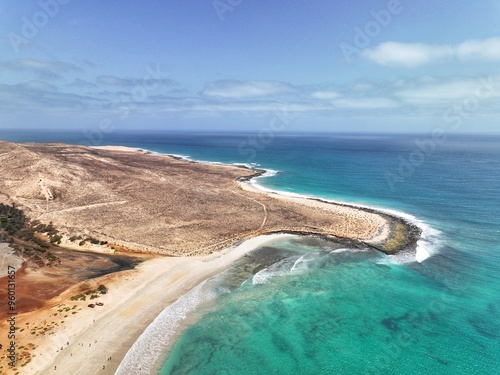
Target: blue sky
(345,65)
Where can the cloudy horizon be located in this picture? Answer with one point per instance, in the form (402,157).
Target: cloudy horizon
(386,66)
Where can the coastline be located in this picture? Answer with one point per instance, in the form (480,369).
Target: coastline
(139,296)
(145,352)
(135,299)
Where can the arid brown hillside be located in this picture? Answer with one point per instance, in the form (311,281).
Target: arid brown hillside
(160,204)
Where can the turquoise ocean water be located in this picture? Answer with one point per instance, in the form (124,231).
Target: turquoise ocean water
(307,306)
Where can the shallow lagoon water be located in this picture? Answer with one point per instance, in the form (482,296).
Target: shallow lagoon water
(341,311)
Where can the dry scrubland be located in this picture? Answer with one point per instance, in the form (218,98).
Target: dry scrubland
(160,204)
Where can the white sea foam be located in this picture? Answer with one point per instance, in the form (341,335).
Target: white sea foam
(190,159)
(210,162)
(301,263)
(248,165)
(243,283)
(267,173)
(263,276)
(183,157)
(402,257)
(285,267)
(429,243)
(149,346)
(179,156)
(346,250)
(297,262)
(430,239)
(282,268)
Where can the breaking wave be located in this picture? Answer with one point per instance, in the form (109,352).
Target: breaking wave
(146,350)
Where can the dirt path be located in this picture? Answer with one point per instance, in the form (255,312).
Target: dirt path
(256,201)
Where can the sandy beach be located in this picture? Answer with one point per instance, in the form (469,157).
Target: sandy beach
(135,298)
(376,224)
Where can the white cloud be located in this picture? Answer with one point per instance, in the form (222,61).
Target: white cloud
(409,55)
(36,86)
(415,54)
(427,94)
(325,95)
(80,83)
(457,89)
(347,104)
(231,89)
(108,80)
(363,86)
(488,49)
(41,68)
(366,103)
(43,97)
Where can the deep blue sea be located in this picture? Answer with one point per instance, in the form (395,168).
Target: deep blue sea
(325,309)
